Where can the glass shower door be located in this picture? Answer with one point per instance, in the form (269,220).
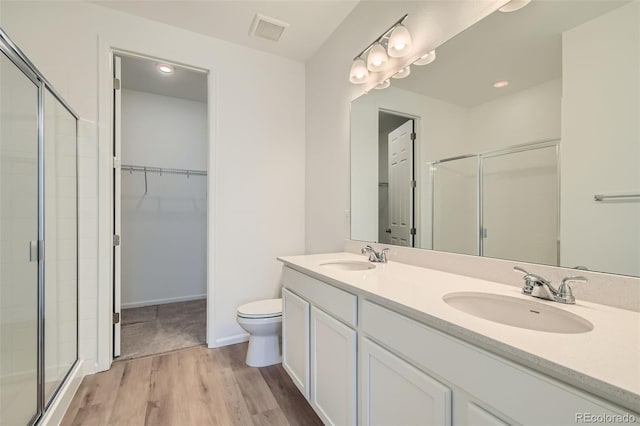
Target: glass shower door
(455,205)
(19,245)
(520,205)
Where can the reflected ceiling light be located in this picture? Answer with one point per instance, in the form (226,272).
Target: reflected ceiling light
(396,41)
(514,5)
(426,59)
(165,68)
(399,42)
(501,83)
(377,59)
(383,84)
(359,72)
(404,72)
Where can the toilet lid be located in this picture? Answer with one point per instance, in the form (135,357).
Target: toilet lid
(261,309)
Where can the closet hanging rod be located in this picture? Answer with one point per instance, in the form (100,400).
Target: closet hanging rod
(162,170)
(601,197)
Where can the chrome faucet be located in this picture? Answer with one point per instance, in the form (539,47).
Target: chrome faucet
(536,286)
(374,256)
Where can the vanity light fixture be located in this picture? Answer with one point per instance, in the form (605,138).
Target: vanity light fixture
(359,72)
(383,84)
(396,41)
(426,59)
(514,5)
(165,68)
(399,42)
(501,83)
(404,72)
(377,59)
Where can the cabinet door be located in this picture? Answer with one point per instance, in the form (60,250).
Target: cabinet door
(333,366)
(295,340)
(393,392)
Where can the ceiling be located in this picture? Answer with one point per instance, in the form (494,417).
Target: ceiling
(142,75)
(311,21)
(523,47)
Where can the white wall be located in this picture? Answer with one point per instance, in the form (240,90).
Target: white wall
(164,250)
(256,127)
(527,116)
(600,148)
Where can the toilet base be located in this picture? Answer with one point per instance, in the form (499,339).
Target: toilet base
(263,351)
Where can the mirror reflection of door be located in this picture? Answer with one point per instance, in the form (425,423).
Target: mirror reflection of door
(396,180)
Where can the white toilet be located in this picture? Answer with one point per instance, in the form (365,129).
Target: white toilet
(263,321)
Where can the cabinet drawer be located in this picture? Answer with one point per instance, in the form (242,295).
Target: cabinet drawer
(514,390)
(338,303)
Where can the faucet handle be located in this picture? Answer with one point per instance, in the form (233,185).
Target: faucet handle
(530,280)
(565,294)
(521,270)
(383,255)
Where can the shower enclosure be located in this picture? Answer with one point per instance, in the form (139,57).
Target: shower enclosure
(38,235)
(483,203)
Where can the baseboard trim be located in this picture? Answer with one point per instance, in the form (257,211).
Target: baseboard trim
(162,301)
(58,408)
(231,340)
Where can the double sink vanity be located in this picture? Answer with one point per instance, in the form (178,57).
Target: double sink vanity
(391,343)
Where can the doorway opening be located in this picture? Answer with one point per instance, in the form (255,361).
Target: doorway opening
(396,179)
(160,151)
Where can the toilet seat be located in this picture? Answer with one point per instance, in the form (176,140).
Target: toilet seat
(270,308)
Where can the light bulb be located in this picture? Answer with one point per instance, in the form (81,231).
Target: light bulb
(377,59)
(426,59)
(399,42)
(165,68)
(359,73)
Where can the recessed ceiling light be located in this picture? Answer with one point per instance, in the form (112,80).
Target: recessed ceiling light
(501,83)
(514,5)
(165,68)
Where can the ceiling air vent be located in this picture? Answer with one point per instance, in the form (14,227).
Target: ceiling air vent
(267,27)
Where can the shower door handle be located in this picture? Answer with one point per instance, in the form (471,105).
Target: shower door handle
(36,250)
(388,230)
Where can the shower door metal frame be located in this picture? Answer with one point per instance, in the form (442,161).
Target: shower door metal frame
(18,58)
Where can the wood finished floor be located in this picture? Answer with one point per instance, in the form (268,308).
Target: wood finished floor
(195,386)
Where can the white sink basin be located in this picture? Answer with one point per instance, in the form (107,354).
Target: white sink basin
(518,312)
(348,265)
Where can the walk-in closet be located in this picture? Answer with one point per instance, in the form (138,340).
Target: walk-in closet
(160,206)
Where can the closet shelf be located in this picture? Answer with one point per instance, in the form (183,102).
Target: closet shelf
(162,170)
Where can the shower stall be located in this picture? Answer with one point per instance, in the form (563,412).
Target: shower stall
(482,204)
(39,244)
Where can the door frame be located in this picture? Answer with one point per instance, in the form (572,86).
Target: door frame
(416,171)
(105,275)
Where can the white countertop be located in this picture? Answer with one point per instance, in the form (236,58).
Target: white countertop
(604,361)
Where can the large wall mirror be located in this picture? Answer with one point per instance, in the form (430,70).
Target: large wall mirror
(521,141)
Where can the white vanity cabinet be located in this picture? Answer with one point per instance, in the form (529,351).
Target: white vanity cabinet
(393,392)
(333,369)
(359,362)
(486,389)
(295,340)
(321,328)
